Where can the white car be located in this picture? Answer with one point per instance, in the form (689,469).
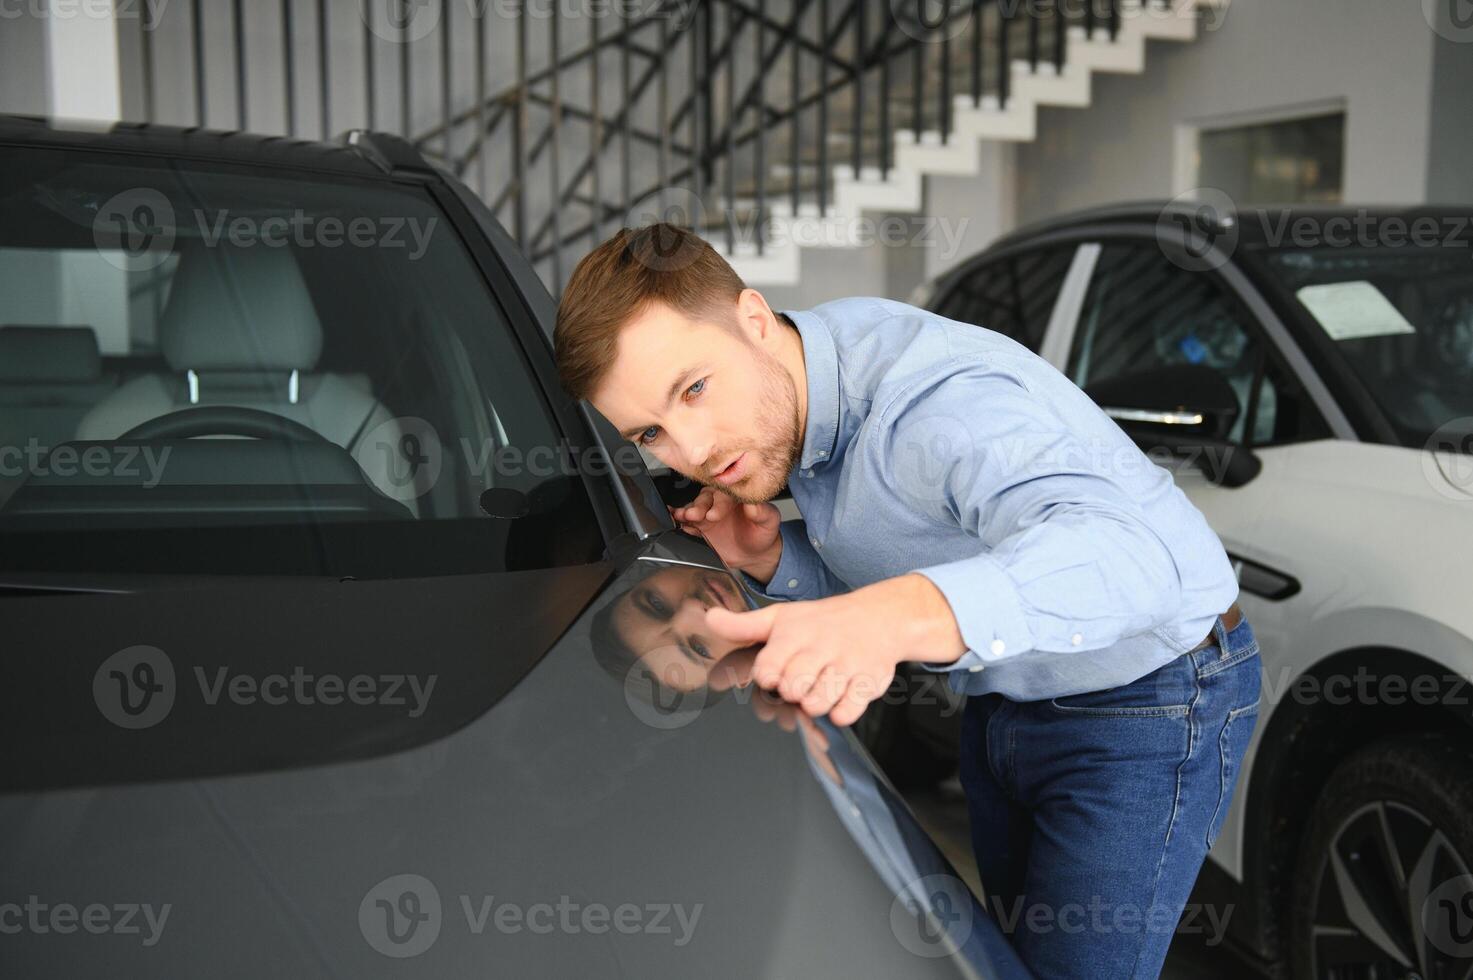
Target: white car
(1308,376)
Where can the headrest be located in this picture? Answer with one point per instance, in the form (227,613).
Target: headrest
(35,355)
(234,308)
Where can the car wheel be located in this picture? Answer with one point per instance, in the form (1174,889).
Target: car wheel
(1382,886)
(907,761)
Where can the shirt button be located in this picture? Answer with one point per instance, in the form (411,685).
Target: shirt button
(975,668)
(814,542)
(792,583)
(1077,639)
(807,473)
(823,452)
(998,646)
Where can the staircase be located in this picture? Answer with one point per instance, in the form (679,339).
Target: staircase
(772,126)
(1010,115)
(775,127)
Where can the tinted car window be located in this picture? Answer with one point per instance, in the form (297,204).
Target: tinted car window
(1143,312)
(1013,295)
(217,369)
(1400,317)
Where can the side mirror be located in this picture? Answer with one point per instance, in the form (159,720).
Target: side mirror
(1186,410)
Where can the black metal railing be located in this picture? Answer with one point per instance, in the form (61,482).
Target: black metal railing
(721,109)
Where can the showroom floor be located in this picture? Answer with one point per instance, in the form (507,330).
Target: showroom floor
(943,812)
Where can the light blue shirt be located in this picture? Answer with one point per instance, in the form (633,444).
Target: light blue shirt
(1071,562)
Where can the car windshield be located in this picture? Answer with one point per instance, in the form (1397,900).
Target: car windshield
(1400,317)
(220,369)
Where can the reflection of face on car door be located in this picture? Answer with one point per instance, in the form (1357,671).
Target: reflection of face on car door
(660,624)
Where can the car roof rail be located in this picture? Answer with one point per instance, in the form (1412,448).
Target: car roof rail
(391,154)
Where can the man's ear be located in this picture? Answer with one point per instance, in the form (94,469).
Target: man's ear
(754,316)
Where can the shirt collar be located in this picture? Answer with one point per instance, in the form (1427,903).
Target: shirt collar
(821,365)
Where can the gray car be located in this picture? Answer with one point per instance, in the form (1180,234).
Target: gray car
(339,642)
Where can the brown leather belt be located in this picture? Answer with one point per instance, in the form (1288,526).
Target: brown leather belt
(1230,620)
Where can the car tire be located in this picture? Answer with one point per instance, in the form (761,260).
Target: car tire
(1381,884)
(907,761)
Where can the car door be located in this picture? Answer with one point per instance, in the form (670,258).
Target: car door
(1142,312)
(1013,292)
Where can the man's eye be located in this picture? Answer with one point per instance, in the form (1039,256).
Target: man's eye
(648,435)
(696,388)
(656,603)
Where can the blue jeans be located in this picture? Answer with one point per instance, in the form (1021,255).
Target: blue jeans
(1091,814)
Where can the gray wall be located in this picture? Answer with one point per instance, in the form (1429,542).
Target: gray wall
(960,216)
(1265,56)
(831,273)
(1450,154)
(22,64)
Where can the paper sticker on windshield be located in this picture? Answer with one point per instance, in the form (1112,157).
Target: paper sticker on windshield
(1351,310)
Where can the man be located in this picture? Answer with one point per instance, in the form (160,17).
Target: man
(965,507)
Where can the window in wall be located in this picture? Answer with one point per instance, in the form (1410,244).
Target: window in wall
(1294,161)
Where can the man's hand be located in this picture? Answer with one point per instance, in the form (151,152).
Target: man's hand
(834,656)
(746,536)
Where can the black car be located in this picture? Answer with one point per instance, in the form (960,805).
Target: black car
(337,637)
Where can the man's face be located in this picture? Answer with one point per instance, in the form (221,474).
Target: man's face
(710,401)
(663,620)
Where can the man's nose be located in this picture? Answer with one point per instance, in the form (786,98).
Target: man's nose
(690,617)
(695,444)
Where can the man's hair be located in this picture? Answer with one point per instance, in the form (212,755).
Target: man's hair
(620,279)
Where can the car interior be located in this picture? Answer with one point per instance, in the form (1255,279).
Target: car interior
(1416,366)
(293,384)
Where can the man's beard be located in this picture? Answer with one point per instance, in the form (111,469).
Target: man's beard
(781,439)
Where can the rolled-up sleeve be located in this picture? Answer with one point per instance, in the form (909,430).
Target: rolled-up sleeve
(1066,559)
(800,574)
